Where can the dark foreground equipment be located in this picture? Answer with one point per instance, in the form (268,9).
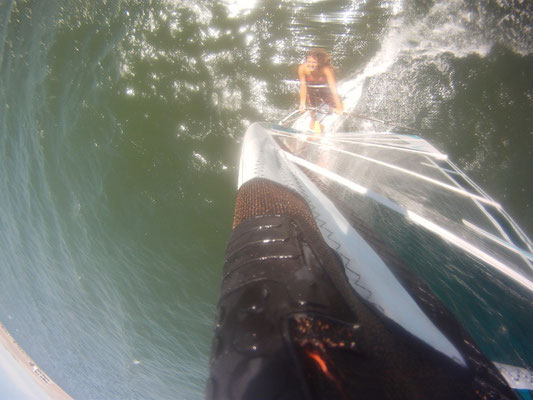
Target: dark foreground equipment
(289,325)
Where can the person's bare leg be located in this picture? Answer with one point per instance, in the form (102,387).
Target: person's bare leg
(313,120)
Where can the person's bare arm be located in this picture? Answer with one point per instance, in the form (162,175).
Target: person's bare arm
(328,72)
(303,87)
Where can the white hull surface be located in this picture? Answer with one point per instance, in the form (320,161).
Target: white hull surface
(20,377)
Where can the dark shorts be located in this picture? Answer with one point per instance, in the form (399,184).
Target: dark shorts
(318,96)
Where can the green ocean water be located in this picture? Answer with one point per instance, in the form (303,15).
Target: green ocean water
(120,130)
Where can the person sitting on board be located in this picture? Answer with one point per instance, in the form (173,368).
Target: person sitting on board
(314,74)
